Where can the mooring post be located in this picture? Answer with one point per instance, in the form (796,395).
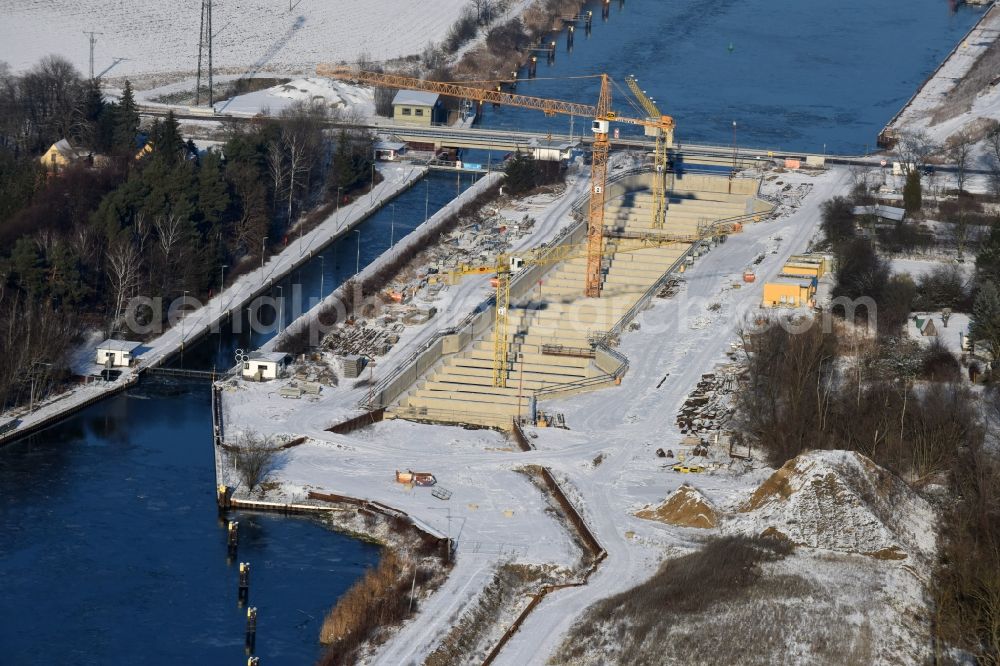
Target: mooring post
(244,586)
(223,496)
(251,637)
(233,537)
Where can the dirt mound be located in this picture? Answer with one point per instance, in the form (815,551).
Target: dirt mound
(685,507)
(839,500)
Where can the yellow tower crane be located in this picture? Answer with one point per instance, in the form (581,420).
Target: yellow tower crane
(509,264)
(664,140)
(602,116)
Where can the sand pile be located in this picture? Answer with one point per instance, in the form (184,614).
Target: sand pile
(685,507)
(839,500)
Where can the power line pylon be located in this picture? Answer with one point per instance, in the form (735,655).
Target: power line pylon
(93,41)
(205,47)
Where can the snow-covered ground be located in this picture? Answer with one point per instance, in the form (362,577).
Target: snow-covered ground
(253,35)
(503,518)
(918,116)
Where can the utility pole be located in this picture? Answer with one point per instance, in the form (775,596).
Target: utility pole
(357,261)
(93,41)
(205,46)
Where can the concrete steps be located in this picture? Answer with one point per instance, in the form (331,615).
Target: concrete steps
(460,389)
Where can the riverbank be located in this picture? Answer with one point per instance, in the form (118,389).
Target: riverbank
(219,309)
(935,108)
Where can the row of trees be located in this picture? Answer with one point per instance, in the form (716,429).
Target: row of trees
(78,244)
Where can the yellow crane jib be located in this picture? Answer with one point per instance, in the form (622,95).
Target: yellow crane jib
(601,114)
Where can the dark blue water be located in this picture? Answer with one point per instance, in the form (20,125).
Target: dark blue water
(112,551)
(337,263)
(794,75)
(111,548)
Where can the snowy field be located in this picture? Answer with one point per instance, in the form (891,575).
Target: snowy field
(159,37)
(606,462)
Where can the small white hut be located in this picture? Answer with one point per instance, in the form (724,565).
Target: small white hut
(262,366)
(119,353)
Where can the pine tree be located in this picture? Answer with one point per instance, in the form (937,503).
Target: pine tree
(126,125)
(912,192)
(988,259)
(29,265)
(168,145)
(985,322)
(213,192)
(522,174)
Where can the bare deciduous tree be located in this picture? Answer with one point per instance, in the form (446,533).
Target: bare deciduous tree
(123,273)
(959,151)
(253,457)
(913,151)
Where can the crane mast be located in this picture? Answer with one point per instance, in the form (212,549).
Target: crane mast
(659,154)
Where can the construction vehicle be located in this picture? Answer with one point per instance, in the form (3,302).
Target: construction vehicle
(602,116)
(659,152)
(507,265)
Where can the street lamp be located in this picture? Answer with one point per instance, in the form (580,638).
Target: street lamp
(263,251)
(281,307)
(734,147)
(392,226)
(448,509)
(338,208)
(357,261)
(183,305)
(372,198)
(222,278)
(322,274)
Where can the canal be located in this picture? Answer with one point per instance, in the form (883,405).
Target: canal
(112,548)
(793,75)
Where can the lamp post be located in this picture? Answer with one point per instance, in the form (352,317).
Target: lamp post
(222,278)
(281,307)
(357,260)
(338,207)
(322,274)
(183,305)
(448,509)
(392,226)
(372,198)
(263,251)
(734,147)
(427,197)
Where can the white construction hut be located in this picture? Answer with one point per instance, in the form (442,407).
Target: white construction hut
(552,151)
(261,366)
(119,353)
(389,151)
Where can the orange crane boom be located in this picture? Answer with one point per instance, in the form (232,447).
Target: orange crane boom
(601,114)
